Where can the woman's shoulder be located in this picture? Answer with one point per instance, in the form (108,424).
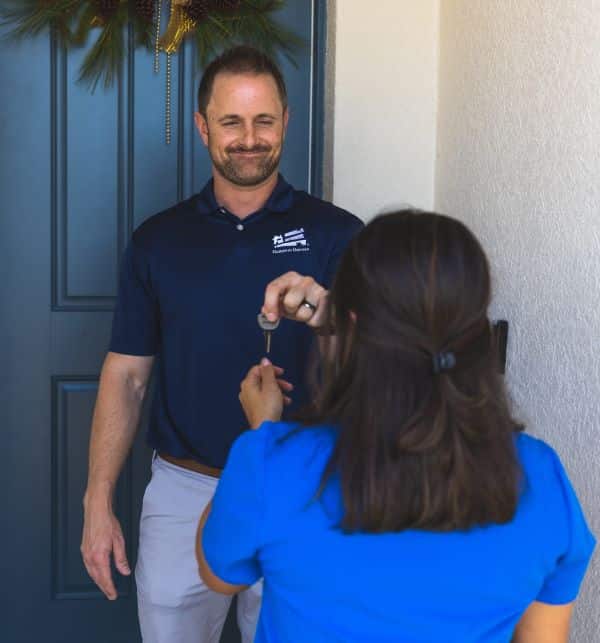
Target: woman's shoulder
(547,481)
(288,442)
(536,455)
(284,438)
(543,470)
(300,435)
(293,456)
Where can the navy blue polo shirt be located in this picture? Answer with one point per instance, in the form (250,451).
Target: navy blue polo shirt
(192,283)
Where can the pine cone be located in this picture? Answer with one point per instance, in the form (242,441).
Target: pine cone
(106,8)
(145,9)
(224,5)
(198,10)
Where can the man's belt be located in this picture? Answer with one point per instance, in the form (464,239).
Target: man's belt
(191,465)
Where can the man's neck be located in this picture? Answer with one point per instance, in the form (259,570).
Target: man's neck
(243,201)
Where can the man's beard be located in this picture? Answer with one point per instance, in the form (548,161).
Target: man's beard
(233,170)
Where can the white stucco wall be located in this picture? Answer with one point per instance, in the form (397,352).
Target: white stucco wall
(518,158)
(385,104)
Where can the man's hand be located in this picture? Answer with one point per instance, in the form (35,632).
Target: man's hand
(288,296)
(123,383)
(261,393)
(103,537)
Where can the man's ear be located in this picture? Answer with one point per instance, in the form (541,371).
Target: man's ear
(286,118)
(202,127)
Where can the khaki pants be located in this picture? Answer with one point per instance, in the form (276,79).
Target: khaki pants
(174,605)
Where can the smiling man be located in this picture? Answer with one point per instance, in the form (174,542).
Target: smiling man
(244,146)
(175,311)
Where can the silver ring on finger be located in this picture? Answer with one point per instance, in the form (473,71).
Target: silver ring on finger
(308,305)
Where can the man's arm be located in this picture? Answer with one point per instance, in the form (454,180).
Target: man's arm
(123,383)
(544,623)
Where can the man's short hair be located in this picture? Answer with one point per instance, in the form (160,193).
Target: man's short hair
(239,60)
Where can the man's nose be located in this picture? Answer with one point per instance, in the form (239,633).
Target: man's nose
(249,136)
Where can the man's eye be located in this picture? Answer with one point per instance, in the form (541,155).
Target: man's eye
(265,123)
(229,124)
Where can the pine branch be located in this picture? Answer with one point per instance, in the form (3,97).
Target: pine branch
(211,37)
(268,36)
(31,18)
(144,34)
(251,23)
(84,25)
(220,24)
(277,38)
(105,58)
(143,27)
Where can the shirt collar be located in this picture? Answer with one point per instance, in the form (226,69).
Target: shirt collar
(280,200)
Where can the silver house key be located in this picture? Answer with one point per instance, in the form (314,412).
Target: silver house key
(268,327)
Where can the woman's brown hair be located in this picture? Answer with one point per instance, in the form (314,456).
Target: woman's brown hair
(426,438)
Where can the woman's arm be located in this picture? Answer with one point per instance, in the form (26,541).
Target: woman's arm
(544,623)
(212,582)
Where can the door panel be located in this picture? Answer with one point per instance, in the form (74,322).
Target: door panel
(78,172)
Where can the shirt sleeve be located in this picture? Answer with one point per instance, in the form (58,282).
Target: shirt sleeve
(135,329)
(343,238)
(562,584)
(232,535)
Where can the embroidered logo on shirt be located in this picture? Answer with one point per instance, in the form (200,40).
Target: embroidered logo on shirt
(292,241)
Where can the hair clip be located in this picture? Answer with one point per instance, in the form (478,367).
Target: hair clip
(443,362)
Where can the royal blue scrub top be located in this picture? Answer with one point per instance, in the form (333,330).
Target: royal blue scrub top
(323,586)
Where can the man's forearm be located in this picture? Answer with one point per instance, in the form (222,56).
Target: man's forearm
(116,417)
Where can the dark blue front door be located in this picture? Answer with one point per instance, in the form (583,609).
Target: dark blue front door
(78,172)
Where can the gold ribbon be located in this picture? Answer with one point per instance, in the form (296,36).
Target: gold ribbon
(179,25)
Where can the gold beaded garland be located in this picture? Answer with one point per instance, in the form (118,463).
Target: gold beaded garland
(157,37)
(168,103)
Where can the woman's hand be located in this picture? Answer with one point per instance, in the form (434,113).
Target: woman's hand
(262,393)
(296,297)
